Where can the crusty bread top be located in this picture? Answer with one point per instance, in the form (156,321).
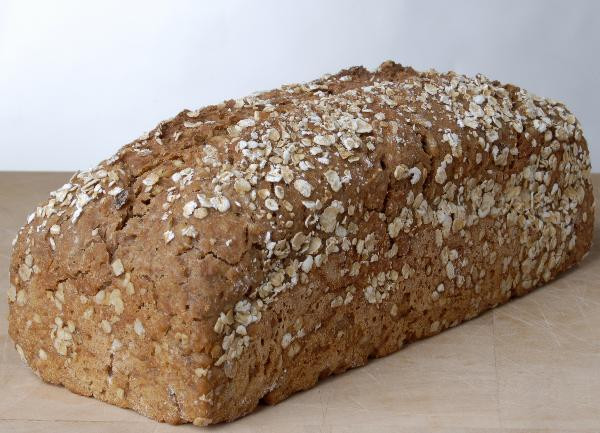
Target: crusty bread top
(244,199)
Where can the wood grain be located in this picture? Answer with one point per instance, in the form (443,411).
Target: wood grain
(532,365)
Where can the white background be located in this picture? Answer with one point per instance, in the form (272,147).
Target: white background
(80,78)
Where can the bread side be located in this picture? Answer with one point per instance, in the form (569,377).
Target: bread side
(243,251)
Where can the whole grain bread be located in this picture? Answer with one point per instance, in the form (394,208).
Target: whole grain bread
(241,252)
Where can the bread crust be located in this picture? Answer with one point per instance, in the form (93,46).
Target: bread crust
(241,252)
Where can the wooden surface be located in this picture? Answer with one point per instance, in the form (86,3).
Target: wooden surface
(532,365)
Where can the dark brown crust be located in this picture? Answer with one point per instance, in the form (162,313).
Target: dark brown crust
(159,335)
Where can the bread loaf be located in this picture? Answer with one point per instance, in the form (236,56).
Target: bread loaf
(241,252)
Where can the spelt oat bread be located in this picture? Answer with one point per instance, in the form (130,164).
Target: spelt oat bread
(243,251)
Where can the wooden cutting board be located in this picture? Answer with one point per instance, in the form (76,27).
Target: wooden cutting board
(532,365)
